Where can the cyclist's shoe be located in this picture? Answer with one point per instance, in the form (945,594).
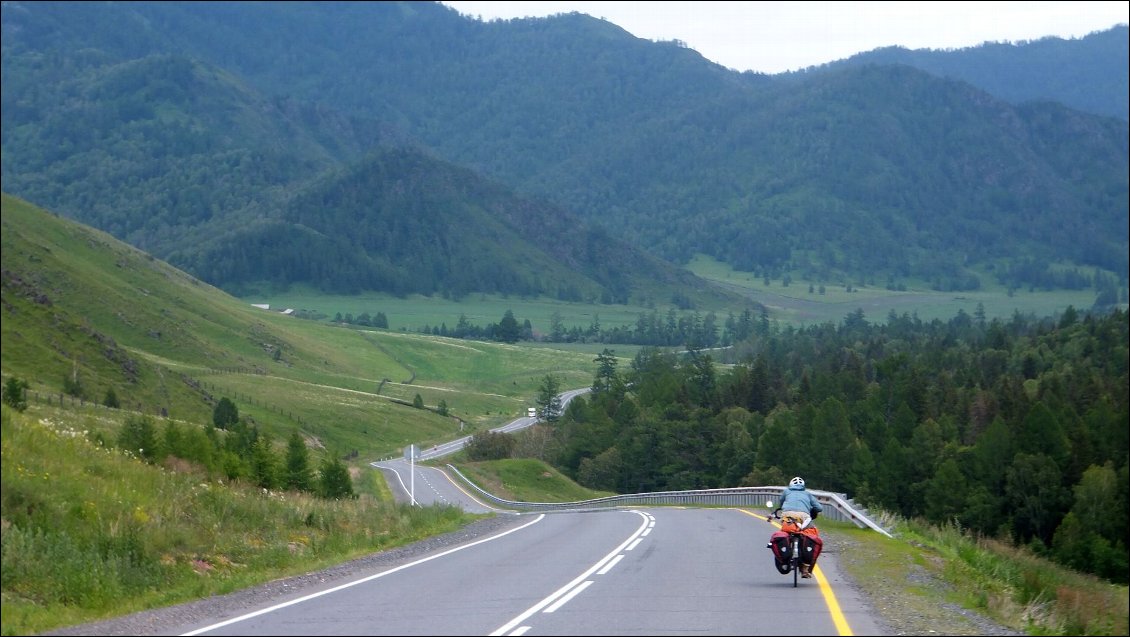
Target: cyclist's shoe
(805,571)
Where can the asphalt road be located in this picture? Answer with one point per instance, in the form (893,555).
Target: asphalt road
(661,571)
(427,485)
(654,571)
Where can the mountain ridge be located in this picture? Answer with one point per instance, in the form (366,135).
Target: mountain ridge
(825,175)
(1006,69)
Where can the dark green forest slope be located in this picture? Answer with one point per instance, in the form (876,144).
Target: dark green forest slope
(245,192)
(161,150)
(1017,430)
(403,222)
(872,174)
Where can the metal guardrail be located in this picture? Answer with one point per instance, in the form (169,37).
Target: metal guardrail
(837,506)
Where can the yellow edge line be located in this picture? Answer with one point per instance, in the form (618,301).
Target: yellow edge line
(825,589)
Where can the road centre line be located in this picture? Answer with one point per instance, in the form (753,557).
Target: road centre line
(510,625)
(608,567)
(568,596)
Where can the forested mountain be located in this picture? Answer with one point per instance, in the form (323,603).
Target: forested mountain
(160,149)
(403,222)
(183,159)
(1089,75)
(866,174)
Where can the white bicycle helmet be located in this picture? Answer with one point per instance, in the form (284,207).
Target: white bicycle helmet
(796,482)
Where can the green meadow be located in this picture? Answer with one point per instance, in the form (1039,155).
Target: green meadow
(795,304)
(787,304)
(413,313)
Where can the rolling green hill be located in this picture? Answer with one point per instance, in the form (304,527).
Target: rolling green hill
(403,222)
(83,310)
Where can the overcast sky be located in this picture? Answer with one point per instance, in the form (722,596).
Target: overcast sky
(773,37)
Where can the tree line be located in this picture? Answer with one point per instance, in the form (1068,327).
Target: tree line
(233,448)
(688,329)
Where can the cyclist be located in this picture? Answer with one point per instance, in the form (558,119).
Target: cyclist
(802,507)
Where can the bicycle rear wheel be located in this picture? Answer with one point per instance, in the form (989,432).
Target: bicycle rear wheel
(794,560)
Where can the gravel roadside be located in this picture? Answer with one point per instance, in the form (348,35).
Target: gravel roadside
(912,604)
(898,610)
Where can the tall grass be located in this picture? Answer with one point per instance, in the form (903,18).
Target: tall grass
(90,532)
(1022,589)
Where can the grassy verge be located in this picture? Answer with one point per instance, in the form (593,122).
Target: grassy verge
(928,579)
(91,533)
(525,480)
